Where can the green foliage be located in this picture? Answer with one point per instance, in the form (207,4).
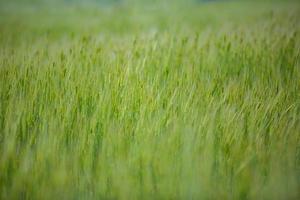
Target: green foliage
(197,102)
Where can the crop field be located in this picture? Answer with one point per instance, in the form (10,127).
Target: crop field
(149,100)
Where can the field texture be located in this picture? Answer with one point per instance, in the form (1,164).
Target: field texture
(148,101)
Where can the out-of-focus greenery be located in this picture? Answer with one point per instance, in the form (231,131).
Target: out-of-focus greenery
(150,101)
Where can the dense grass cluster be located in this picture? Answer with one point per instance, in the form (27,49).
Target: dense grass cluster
(201,102)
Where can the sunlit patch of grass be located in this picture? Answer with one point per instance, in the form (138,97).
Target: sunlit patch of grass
(135,105)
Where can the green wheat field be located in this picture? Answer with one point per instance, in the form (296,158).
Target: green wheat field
(141,100)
